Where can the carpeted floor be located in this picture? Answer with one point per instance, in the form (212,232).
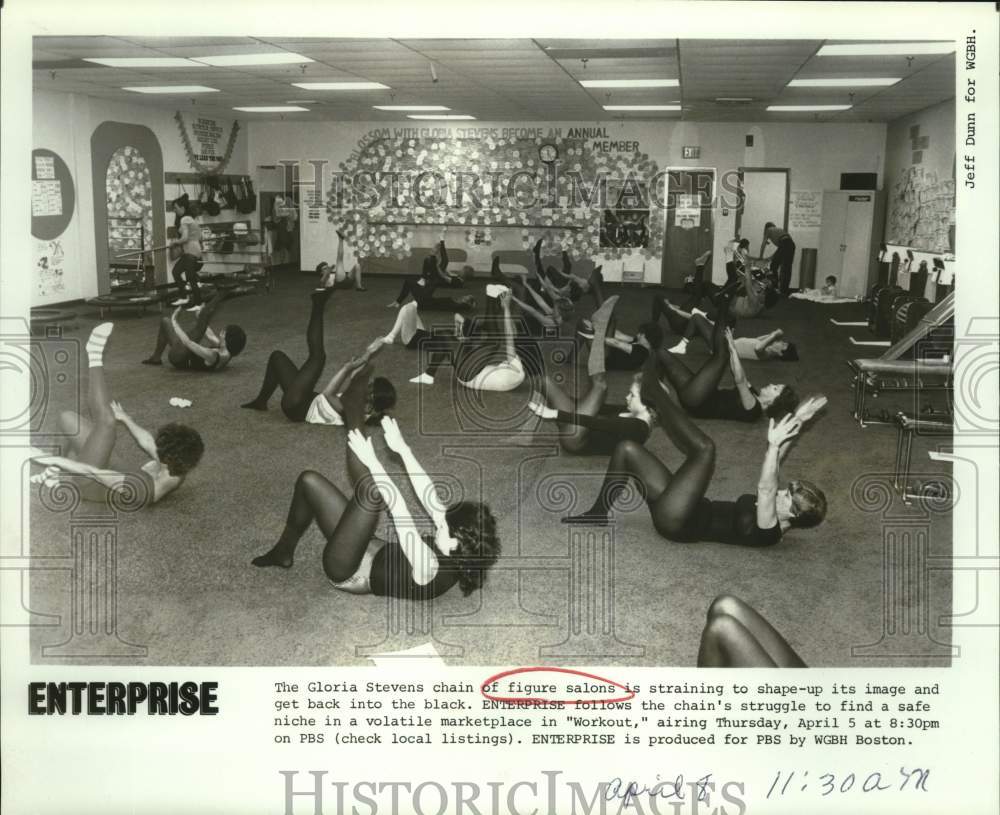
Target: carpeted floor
(185,589)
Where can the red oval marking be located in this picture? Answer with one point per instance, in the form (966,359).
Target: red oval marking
(527,700)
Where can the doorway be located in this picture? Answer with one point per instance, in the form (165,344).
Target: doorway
(689,230)
(763,194)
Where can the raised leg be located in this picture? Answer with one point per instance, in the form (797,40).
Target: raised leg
(573,438)
(298,391)
(705,382)
(165,337)
(737,636)
(96,449)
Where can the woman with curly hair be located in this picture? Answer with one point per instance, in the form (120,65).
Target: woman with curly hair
(174,450)
(458,547)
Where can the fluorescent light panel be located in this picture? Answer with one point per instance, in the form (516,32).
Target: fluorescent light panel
(445,116)
(879,49)
(806,108)
(411,107)
(172,89)
(142,62)
(342,86)
(273,109)
(844,83)
(630,83)
(733,98)
(642,107)
(271,58)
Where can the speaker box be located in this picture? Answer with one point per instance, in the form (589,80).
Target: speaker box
(858,181)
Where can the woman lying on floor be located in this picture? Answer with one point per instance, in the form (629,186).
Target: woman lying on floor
(560,285)
(432,275)
(736,636)
(299,402)
(202,349)
(458,546)
(700,394)
(592,427)
(538,309)
(697,323)
(173,451)
(337,277)
(623,352)
(485,353)
(677,502)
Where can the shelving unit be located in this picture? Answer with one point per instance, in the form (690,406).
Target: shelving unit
(246,264)
(126,236)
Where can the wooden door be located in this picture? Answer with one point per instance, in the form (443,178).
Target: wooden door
(689,229)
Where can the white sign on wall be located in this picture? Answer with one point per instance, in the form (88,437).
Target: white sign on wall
(806,210)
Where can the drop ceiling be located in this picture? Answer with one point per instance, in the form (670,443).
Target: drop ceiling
(503,79)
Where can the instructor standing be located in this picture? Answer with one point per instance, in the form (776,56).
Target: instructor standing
(781,260)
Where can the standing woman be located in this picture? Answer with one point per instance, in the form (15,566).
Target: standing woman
(185,270)
(781,260)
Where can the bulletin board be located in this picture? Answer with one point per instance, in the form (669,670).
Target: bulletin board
(922,211)
(52,195)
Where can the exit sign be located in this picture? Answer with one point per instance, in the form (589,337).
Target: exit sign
(691,152)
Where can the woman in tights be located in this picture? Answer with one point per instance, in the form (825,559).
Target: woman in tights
(699,391)
(299,401)
(677,503)
(737,636)
(173,451)
(432,275)
(457,546)
(591,427)
(485,352)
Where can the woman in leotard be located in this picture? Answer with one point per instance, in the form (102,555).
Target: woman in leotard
(677,503)
(737,636)
(771,346)
(485,353)
(457,546)
(299,402)
(173,451)
(432,275)
(592,427)
(336,276)
(202,349)
(700,394)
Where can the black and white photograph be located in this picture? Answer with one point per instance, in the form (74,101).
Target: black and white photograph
(492,361)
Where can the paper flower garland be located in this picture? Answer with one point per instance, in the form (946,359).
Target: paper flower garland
(189,150)
(482,184)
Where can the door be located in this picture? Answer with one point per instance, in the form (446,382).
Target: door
(857,243)
(763,198)
(689,229)
(830,260)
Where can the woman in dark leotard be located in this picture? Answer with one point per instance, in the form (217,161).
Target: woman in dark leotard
(700,394)
(458,546)
(737,636)
(299,402)
(433,275)
(677,502)
(201,349)
(592,427)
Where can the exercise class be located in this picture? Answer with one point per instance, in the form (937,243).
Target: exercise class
(530,351)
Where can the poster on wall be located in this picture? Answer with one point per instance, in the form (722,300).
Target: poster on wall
(46,199)
(687,213)
(49,279)
(806,210)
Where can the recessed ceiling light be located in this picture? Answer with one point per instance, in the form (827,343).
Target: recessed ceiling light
(806,108)
(172,89)
(449,116)
(875,81)
(342,86)
(642,107)
(630,83)
(881,49)
(272,58)
(273,109)
(142,62)
(410,107)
